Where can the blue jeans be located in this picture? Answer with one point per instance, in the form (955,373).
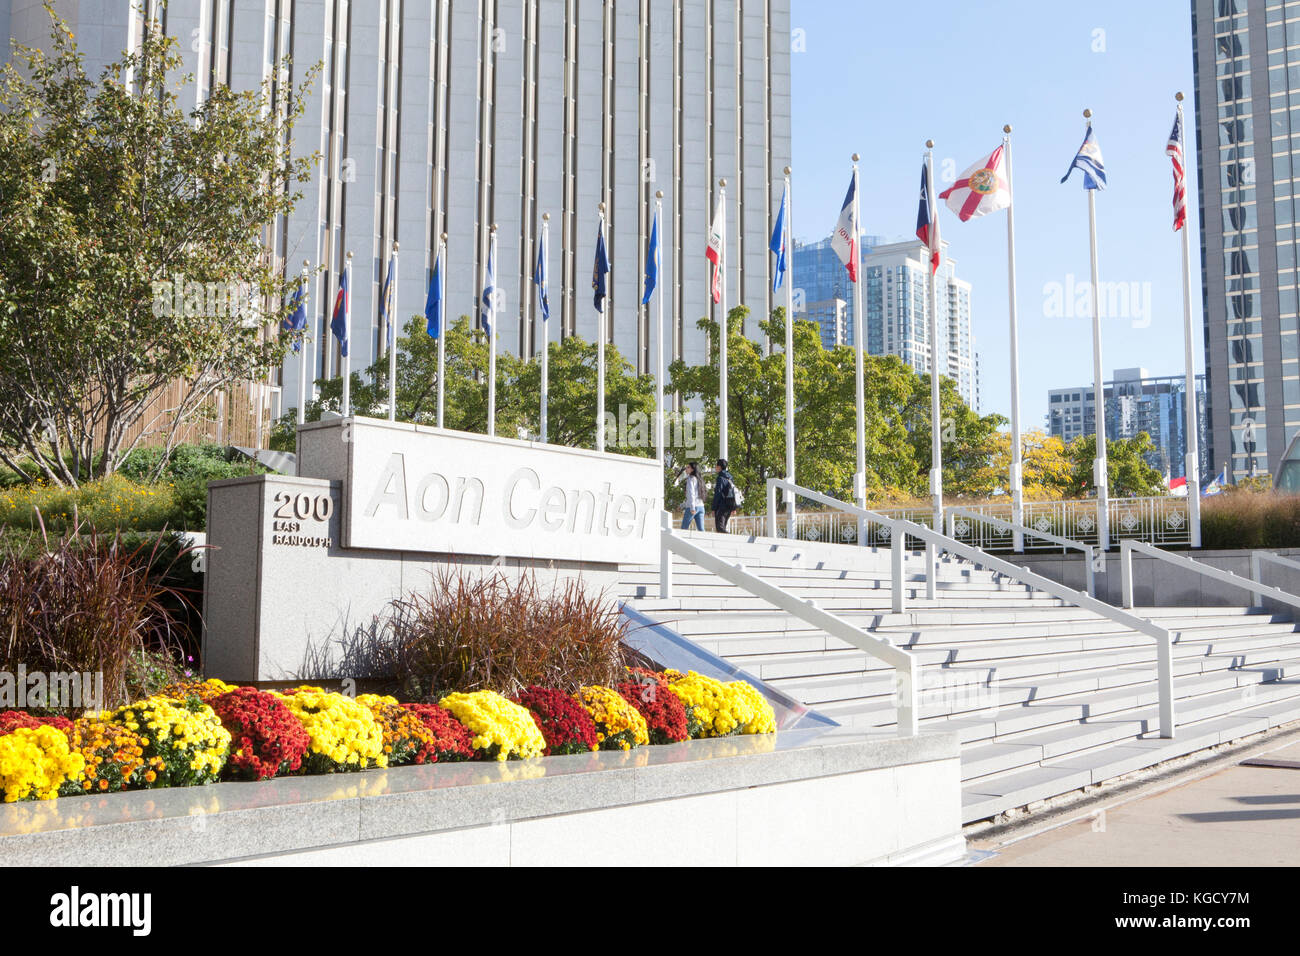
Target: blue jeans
(695,515)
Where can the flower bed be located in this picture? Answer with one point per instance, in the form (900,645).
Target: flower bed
(196,732)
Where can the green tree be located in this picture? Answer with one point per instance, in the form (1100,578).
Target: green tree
(1127,472)
(571,403)
(968,440)
(116,206)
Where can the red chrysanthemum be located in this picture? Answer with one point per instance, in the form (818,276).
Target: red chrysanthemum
(453,739)
(11,720)
(665,715)
(564,722)
(265,737)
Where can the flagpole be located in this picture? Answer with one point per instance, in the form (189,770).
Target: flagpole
(1017,465)
(391,305)
(346,404)
(441,263)
(659,337)
(492,332)
(600,351)
(724,327)
(302,360)
(1098,388)
(1192,459)
(790,529)
(936,438)
(546,331)
(860,476)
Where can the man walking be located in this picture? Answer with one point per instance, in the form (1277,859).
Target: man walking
(724,496)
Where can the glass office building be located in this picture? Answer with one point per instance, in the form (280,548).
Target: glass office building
(1247,99)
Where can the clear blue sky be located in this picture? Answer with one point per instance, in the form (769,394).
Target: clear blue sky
(879,78)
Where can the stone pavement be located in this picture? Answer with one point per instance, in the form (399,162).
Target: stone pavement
(1238,816)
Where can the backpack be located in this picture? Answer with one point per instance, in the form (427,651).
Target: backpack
(737,495)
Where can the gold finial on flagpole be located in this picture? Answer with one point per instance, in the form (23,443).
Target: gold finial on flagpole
(1007,129)
(546,217)
(396,246)
(722,183)
(929,144)
(306,263)
(659,194)
(444,237)
(1179,96)
(787,170)
(1087,114)
(349,253)
(856,157)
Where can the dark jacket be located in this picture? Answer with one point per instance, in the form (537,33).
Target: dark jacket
(724,492)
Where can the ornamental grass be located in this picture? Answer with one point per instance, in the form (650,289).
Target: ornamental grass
(502,729)
(666,718)
(452,740)
(84,603)
(619,725)
(564,722)
(266,739)
(490,632)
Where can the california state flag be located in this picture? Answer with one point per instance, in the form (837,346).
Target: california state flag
(717,245)
(982,189)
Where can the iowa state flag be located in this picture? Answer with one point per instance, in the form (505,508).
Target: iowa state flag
(845,238)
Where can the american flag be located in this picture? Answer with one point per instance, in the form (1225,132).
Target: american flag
(1174,150)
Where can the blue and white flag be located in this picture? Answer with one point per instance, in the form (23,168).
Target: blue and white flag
(1088,161)
(297,320)
(1216,486)
(386,317)
(652,262)
(339,321)
(777,245)
(488,305)
(600,269)
(433,304)
(539,276)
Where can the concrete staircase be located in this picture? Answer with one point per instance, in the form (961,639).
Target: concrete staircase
(1047,698)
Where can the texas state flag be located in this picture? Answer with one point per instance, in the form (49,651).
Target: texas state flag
(927,223)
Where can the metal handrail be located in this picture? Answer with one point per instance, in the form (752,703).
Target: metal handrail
(1089,552)
(1256,559)
(897,542)
(936,541)
(906,666)
(1127,547)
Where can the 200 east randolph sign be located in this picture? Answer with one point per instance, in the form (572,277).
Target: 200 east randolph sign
(468,494)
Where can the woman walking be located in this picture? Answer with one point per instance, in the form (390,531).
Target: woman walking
(693,510)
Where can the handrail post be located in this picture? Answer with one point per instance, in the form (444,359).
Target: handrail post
(1092,571)
(897,584)
(907,701)
(952,523)
(1126,572)
(1165,680)
(931,570)
(1256,599)
(665,555)
(771,507)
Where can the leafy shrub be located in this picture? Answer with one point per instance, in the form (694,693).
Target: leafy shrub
(487,632)
(83,603)
(502,729)
(344,734)
(563,721)
(266,739)
(619,725)
(452,741)
(36,762)
(406,739)
(665,715)
(186,737)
